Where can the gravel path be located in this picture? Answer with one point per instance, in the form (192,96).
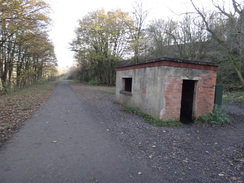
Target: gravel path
(191,153)
(65,142)
(235,108)
(58,145)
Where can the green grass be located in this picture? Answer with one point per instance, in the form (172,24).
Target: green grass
(92,82)
(41,86)
(35,88)
(217,117)
(150,120)
(109,91)
(236,96)
(74,81)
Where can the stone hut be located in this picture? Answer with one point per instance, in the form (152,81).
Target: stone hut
(168,88)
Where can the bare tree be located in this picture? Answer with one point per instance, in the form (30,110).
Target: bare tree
(137,31)
(233,39)
(185,39)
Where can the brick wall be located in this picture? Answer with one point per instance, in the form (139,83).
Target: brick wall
(203,99)
(205,93)
(172,93)
(167,81)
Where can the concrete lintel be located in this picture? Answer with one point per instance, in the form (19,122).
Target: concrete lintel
(187,78)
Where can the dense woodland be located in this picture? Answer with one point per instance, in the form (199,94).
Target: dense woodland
(105,40)
(26,53)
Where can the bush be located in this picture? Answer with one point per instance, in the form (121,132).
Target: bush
(217,117)
(92,82)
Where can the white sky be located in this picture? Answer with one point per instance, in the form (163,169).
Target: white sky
(66,13)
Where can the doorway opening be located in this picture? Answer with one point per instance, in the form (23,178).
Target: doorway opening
(187,101)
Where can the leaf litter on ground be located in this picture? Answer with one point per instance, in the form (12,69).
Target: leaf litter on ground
(18,106)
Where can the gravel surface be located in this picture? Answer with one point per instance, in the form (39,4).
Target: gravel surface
(236,108)
(191,153)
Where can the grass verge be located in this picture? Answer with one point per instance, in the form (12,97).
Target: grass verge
(93,82)
(74,81)
(236,96)
(150,120)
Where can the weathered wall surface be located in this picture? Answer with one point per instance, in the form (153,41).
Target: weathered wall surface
(146,89)
(172,91)
(158,90)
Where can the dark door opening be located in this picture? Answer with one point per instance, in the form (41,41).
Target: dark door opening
(186,113)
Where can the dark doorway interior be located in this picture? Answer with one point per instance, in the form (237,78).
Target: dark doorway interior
(186,113)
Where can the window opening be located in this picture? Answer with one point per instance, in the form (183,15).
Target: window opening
(128,84)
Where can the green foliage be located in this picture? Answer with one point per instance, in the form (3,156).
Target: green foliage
(227,76)
(7,89)
(93,82)
(150,120)
(73,81)
(38,88)
(235,96)
(25,46)
(112,91)
(217,117)
(102,39)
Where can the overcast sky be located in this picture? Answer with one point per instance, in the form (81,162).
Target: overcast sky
(66,13)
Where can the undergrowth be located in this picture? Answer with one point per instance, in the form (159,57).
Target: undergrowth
(149,119)
(217,117)
(93,82)
(234,96)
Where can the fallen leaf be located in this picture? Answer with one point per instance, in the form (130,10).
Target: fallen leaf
(157,167)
